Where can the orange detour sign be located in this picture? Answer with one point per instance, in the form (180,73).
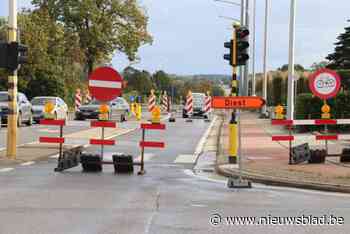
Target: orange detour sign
(237,102)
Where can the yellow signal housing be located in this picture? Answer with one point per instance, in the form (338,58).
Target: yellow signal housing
(104,112)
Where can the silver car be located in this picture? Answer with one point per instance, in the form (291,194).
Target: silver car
(120,109)
(38,103)
(24,109)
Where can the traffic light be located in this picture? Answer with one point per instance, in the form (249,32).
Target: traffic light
(17,55)
(242,46)
(230,56)
(12,55)
(3,55)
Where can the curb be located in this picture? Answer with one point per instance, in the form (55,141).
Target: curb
(276,181)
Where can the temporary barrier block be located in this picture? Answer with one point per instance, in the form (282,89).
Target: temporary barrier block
(281,122)
(152,144)
(101,142)
(327,137)
(325,121)
(103,124)
(58,122)
(153,126)
(282,138)
(51,140)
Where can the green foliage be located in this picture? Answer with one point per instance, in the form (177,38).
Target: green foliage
(297,67)
(277,89)
(340,58)
(103,27)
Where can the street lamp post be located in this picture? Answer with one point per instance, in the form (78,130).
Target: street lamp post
(290,97)
(253,49)
(266,34)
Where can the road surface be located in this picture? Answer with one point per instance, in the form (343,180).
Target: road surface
(169,198)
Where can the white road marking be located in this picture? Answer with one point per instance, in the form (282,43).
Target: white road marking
(186,158)
(146,157)
(202,141)
(2,149)
(6,169)
(27,163)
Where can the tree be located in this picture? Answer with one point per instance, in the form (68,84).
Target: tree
(340,58)
(103,26)
(297,67)
(277,89)
(161,81)
(319,65)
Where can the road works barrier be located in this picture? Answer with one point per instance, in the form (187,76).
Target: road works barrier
(302,153)
(123,163)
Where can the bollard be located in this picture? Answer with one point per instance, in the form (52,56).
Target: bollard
(233,140)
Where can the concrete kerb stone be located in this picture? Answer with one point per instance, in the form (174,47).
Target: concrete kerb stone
(225,170)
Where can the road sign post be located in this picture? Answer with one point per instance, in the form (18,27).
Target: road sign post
(325,84)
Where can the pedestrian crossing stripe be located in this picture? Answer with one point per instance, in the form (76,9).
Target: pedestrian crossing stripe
(185,158)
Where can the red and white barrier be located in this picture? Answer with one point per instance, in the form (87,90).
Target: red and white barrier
(316,137)
(207,109)
(310,122)
(318,122)
(151,102)
(77,99)
(189,104)
(165,102)
(102,124)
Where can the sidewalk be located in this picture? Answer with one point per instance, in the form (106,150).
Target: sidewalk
(267,161)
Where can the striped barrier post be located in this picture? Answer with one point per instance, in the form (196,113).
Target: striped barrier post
(151,101)
(189,106)
(149,144)
(207,108)
(77,99)
(165,102)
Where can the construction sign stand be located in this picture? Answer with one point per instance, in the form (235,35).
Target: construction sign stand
(152,144)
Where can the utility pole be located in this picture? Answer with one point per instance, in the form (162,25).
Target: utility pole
(253,50)
(266,34)
(241,70)
(290,97)
(246,67)
(12,88)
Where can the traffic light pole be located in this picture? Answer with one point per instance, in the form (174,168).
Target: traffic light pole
(12,88)
(233,134)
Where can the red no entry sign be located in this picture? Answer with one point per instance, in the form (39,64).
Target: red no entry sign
(325,83)
(105,84)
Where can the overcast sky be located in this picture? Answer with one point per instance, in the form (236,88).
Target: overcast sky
(189,35)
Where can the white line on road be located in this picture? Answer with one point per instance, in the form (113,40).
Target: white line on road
(146,157)
(201,143)
(27,163)
(186,158)
(6,169)
(2,149)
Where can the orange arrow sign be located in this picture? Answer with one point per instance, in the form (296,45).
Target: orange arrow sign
(237,102)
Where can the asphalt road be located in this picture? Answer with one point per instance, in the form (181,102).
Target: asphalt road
(169,198)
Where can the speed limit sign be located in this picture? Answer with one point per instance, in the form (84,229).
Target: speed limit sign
(325,83)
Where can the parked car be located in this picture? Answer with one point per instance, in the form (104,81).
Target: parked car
(198,105)
(60,110)
(120,109)
(24,108)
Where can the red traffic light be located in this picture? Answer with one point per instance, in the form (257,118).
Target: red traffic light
(242,32)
